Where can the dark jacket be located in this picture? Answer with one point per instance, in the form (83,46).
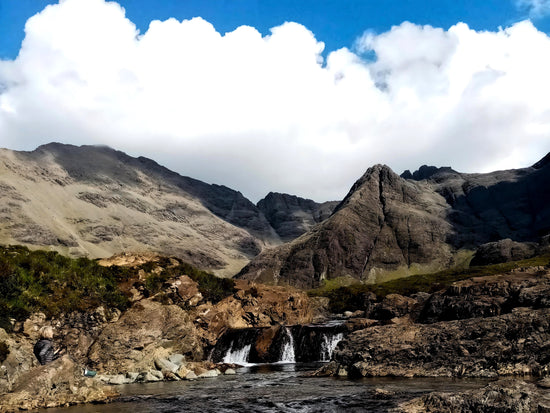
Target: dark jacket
(43,350)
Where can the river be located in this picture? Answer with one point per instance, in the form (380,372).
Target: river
(272,388)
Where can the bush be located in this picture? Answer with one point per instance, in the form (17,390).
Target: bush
(47,281)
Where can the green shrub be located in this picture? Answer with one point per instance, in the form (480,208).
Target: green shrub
(47,281)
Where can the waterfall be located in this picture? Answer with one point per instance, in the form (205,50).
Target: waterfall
(328,344)
(304,343)
(287,355)
(237,356)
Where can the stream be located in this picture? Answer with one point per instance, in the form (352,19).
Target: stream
(275,380)
(272,388)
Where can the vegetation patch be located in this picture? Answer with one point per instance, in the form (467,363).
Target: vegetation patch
(353,297)
(46,281)
(212,288)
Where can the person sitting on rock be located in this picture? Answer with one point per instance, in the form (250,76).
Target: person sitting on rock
(43,349)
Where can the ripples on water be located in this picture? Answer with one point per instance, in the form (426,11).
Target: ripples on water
(272,388)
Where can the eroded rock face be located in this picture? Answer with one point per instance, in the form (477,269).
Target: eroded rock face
(56,384)
(254,305)
(144,332)
(291,216)
(488,296)
(511,344)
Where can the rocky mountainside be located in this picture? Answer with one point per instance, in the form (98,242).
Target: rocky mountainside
(291,216)
(390,226)
(96,201)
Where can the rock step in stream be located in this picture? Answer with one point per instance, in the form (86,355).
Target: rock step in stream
(278,344)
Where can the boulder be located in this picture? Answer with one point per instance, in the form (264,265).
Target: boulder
(165,365)
(504,250)
(144,333)
(501,396)
(59,383)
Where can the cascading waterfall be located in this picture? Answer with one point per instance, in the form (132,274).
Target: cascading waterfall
(279,344)
(288,355)
(328,344)
(237,356)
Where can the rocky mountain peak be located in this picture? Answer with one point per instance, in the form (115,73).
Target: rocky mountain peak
(428,172)
(291,216)
(543,162)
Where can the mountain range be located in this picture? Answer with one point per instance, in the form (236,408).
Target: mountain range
(96,201)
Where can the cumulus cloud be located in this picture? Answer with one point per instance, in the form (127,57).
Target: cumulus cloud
(268,113)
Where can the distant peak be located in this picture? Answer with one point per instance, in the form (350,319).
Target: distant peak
(543,162)
(426,172)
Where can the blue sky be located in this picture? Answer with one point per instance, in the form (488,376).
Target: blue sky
(337,23)
(263,107)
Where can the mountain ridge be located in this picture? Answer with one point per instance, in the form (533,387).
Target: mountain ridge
(389,226)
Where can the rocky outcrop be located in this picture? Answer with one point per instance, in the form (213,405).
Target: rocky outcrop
(511,344)
(291,216)
(60,383)
(390,226)
(513,396)
(488,296)
(146,331)
(504,250)
(254,305)
(483,327)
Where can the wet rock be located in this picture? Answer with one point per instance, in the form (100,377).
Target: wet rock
(149,376)
(177,359)
(510,396)
(209,374)
(165,365)
(230,372)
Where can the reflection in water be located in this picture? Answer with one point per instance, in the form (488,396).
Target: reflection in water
(272,388)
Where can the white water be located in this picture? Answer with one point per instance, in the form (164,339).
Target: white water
(237,356)
(329,344)
(288,355)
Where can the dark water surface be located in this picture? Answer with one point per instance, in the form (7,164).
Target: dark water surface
(272,388)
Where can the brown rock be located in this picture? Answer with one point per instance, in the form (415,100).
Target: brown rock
(57,384)
(146,331)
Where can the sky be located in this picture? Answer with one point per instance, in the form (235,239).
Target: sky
(299,97)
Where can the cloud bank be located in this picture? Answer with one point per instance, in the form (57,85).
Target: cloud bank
(268,113)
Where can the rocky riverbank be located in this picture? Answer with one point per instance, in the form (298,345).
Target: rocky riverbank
(162,337)
(482,327)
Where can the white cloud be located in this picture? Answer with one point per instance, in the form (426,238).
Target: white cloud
(535,8)
(260,113)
